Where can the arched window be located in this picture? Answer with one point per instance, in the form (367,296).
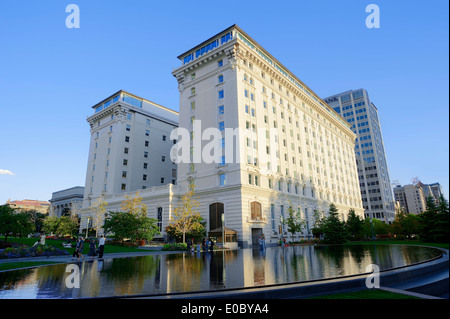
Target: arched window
(215,215)
(255,209)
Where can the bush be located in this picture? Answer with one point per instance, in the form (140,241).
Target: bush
(176,246)
(4,245)
(36,251)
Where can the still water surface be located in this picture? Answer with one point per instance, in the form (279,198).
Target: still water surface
(167,273)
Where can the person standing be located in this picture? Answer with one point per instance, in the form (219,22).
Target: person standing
(92,249)
(80,250)
(204,247)
(42,242)
(77,248)
(211,246)
(101,247)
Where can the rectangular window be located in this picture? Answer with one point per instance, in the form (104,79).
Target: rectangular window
(220,78)
(145,154)
(222,179)
(272,216)
(124,187)
(147,133)
(159,218)
(144,177)
(162,180)
(220,63)
(125,150)
(221,109)
(124,174)
(221,94)
(221,126)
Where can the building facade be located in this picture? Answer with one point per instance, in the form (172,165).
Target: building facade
(30,204)
(130,146)
(66,202)
(433,190)
(411,198)
(281,148)
(357,109)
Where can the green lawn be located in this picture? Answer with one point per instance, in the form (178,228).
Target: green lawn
(58,243)
(366,294)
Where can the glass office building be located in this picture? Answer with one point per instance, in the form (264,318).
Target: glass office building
(357,109)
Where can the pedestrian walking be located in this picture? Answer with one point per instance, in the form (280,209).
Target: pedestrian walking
(92,249)
(263,241)
(77,248)
(80,249)
(101,247)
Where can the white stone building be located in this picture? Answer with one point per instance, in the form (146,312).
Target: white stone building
(66,201)
(130,146)
(290,150)
(279,145)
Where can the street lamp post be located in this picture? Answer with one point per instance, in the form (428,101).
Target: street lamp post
(223,230)
(87,227)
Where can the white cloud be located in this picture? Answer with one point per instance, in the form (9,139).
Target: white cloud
(5,172)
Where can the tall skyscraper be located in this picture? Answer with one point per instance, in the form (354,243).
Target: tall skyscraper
(289,150)
(130,146)
(376,192)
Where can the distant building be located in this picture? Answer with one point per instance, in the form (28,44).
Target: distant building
(376,192)
(411,198)
(130,146)
(30,204)
(433,190)
(67,201)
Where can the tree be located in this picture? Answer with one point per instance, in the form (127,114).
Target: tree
(197,234)
(434,221)
(16,223)
(67,225)
(23,225)
(334,230)
(99,212)
(50,225)
(354,225)
(37,219)
(319,220)
(133,222)
(405,225)
(185,218)
(134,205)
(294,222)
(125,225)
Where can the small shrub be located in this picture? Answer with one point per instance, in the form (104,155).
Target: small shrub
(175,246)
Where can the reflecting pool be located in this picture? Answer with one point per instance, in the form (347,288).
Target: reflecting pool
(168,273)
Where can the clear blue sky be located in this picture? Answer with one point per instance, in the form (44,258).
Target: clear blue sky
(50,76)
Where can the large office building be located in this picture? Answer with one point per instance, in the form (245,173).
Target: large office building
(281,147)
(253,140)
(130,146)
(357,109)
